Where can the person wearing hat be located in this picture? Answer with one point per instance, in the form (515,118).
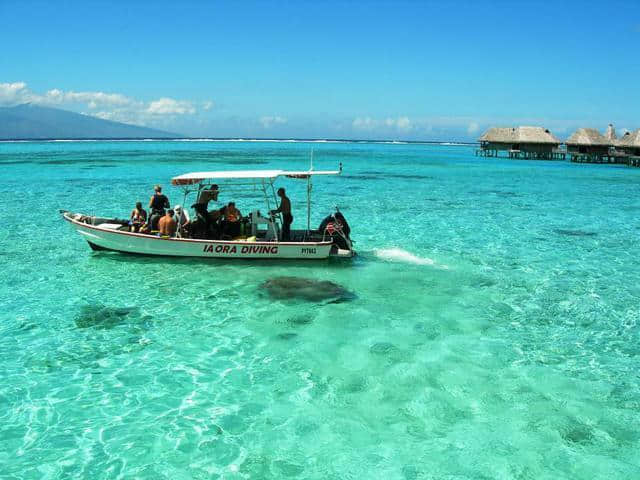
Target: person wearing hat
(158,205)
(182,218)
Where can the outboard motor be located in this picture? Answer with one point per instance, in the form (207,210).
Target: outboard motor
(336,227)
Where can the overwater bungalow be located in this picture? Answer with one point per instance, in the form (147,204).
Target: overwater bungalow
(520,142)
(629,144)
(588,145)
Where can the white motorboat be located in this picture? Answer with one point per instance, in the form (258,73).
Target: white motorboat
(260,236)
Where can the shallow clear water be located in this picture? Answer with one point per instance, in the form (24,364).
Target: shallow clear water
(494,331)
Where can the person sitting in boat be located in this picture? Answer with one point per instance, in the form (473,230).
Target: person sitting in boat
(205,224)
(137,218)
(182,219)
(167,225)
(231,213)
(201,223)
(216,222)
(285,209)
(158,205)
(231,218)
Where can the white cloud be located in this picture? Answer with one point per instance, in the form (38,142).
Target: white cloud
(400,124)
(108,106)
(92,99)
(97,98)
(13,93)
(16,93)
(268,122)
(103,115)
(169,106)
(364,123)
(121,115)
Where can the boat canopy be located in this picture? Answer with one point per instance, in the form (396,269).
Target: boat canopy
(198,177)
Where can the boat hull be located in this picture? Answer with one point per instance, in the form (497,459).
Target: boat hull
(103,238)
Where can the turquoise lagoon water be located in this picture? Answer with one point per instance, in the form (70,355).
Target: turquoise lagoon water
(495,331)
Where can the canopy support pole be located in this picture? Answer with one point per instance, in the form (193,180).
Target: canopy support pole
(309,195)
(184,202)
(272,218)
(308,204)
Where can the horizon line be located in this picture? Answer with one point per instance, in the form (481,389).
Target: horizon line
(237,139)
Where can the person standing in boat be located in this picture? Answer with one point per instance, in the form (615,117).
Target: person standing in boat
(208,194)
(158,205)
(287,218)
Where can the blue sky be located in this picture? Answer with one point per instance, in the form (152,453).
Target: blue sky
(395,70)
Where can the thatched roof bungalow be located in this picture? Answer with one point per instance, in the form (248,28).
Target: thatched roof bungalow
(588,142)
(520,142)
(630,143)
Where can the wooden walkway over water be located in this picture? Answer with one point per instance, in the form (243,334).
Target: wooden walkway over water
(522,154)
(594,158)
(633,161)
(617,158)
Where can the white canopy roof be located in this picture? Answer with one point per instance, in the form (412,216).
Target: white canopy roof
(198,177)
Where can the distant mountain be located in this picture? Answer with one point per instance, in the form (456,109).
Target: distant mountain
(32,122)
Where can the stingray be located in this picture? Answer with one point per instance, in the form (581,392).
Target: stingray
(383,348)
(575,233)
(100,316)
(296,288)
